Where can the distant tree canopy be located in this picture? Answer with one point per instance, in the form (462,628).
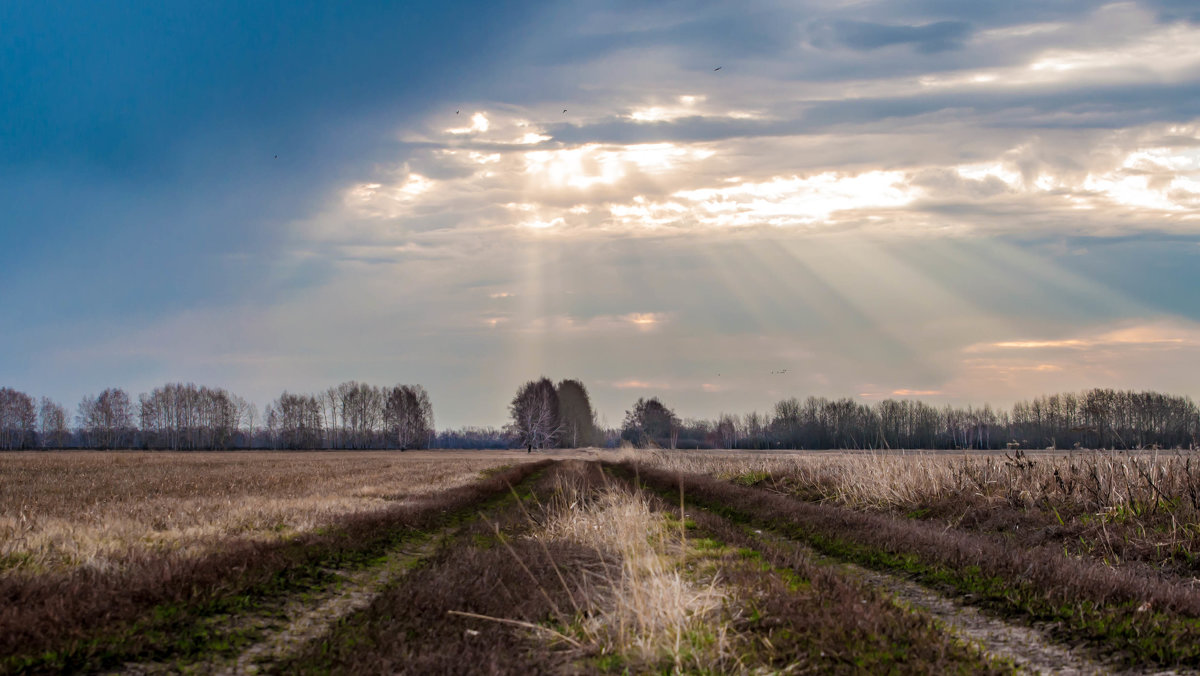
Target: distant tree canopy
(408,416)
(543,415)
(650,422)
(353,415)
(1098,418)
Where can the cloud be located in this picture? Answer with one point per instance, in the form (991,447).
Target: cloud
(638,385)
(1154,335)
(865,36)
(973,201)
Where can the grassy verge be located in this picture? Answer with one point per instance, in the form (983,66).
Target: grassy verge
(1116,612)
(93,621)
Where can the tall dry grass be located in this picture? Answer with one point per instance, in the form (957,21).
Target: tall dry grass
(1120,506)
(646,607)
(1095,480)
(61,511)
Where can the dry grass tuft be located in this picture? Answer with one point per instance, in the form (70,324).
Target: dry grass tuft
(645,607)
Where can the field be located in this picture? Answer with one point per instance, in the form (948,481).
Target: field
(598,562)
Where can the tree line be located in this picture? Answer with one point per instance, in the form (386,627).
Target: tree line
(1097,418)
(545,414)
(179,416)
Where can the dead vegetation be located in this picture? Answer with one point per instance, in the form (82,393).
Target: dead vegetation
(579,568)
(646,608)
(1119,507)
(1127,613)
(61,511)
(593,575)
(159,604)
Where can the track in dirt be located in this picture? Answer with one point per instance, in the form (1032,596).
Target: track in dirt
(287,624)
(1023,646)
(219,607)
(412,599)
(1026,647)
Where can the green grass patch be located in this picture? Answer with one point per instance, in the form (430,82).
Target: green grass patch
(750,478)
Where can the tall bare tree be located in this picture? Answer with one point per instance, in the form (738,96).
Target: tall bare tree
(53,419)
(534,415)
(18,419)
(408,416)
(107,420)
(295,421)
(575,414)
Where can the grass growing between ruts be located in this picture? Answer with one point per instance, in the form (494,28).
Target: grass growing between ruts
(1131,617)
(595,576)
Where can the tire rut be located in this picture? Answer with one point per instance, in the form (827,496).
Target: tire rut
(1031,649)
(284,625)
(288,624)
(310,619)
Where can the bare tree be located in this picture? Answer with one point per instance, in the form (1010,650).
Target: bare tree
(575,414)
(534,412)
(53,418)
(408,416)
(107,420)
(295,421)
(728,430)
(18,419)
(651,422)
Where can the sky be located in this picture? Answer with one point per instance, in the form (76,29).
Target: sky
(719,204)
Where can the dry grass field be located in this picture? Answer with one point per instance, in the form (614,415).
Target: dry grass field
(67,509)
(598,562)
(1122,507)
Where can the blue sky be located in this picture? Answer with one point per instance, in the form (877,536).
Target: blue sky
(964,202)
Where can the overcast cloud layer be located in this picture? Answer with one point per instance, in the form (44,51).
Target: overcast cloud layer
(944,200)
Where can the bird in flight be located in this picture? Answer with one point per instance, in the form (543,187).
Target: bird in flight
(717,68)
(276,157)
(564,111)
(457,112)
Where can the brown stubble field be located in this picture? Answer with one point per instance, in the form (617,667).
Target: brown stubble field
(61,510)
(595,561)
